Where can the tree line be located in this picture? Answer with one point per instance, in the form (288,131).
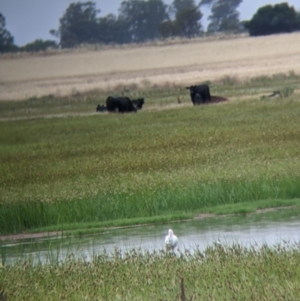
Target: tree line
(139,21)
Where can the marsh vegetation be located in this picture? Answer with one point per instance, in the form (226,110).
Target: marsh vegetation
(218,273)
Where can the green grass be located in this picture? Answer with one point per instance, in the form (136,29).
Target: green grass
(217,273)
(291,208)
(158,162)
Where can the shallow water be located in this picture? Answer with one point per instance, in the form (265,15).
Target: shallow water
(247,231)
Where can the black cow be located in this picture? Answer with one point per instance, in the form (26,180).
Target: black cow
(138,103)
(199,94)
(123,104)
(101,108)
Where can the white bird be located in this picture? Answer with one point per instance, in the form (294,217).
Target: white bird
(171,240)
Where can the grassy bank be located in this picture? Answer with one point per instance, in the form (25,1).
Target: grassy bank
(169,158)
(218,273)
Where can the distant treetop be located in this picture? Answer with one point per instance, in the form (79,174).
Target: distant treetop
(280,18)
(139,21)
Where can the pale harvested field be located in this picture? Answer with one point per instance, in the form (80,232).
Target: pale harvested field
(183,63)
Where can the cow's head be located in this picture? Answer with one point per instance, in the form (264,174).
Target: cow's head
(101,108)
(141,101)
(138,103)
(191,88)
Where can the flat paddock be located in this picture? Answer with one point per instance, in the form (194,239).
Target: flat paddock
(185,62)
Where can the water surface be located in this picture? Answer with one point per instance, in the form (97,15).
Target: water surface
(248,231)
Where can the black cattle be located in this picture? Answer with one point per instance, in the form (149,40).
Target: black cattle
(101,108)
(138,103)
(122,104)
(199,94)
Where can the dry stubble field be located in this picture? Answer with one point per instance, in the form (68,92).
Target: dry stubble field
(188,61)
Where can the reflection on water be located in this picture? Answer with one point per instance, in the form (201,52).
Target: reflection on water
(243,230)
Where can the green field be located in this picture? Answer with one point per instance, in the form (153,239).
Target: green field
(62,164)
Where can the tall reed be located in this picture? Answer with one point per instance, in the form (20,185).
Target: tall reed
(106,207)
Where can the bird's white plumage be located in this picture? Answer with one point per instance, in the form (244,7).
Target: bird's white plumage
(171,240)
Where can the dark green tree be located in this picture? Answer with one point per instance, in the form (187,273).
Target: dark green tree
(178,5)
(224,15)
(186,22)
(78,25)
(270,19)
(113,30)
(298,21)
(142,18)
(6,39)
(106,33)
(168,29)
(39,45)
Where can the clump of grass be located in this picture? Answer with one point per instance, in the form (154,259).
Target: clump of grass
(229,80)
(287,91)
